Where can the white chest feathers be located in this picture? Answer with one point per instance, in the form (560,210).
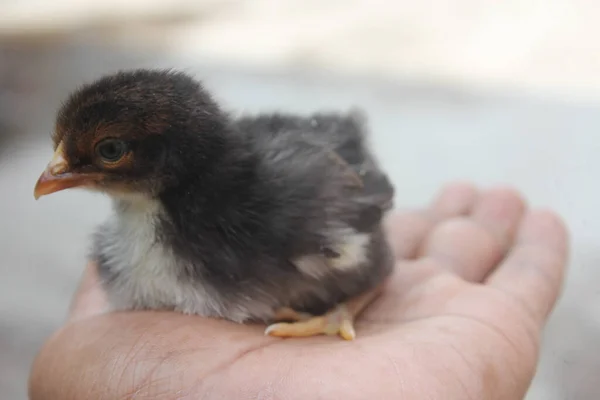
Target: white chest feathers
(143,270)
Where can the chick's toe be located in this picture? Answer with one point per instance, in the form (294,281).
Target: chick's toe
(339,321)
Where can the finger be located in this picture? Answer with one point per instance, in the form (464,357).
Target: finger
(533,272)
(90,298)
(454,200)
(408,229)
(472,246)
(500,212)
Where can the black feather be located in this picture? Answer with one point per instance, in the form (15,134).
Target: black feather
(239,199)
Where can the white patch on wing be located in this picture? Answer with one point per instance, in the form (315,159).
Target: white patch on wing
(313,265)
(148,268)
(353,251)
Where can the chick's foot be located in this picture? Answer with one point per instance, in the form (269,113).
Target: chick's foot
(339,321)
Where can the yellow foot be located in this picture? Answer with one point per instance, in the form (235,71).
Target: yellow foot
(339,321)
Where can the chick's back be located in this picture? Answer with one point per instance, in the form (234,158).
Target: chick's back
(326,159)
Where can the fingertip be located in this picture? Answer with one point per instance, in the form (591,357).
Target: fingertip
(459,186)
(546,224)
(534,270)
(406,231)
(463,247)
(500,211)
(455,199)
(507,193)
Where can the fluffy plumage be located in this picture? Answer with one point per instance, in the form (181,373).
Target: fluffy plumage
(223,216)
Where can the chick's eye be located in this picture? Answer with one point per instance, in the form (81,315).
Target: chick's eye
(111,150)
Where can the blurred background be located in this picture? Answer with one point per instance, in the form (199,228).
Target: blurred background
(496,92)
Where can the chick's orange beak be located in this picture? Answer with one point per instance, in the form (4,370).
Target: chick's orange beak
(57,176)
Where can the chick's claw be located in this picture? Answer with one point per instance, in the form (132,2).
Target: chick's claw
(338,321)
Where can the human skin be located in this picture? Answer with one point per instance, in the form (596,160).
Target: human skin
(476,278)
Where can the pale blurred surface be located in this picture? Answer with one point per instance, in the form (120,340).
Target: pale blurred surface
(494,92)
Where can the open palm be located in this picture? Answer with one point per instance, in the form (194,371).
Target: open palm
(476,277)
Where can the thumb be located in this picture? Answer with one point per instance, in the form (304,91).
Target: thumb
(90,298)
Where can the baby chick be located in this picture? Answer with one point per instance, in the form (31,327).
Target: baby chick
(273,218)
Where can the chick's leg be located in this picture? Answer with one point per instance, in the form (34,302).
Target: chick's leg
(287,314)
(340,320)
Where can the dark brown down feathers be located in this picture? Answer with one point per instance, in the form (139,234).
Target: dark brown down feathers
(223,216)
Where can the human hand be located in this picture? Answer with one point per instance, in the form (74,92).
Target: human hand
(476,278)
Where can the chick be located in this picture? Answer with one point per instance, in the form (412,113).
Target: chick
(274,218)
